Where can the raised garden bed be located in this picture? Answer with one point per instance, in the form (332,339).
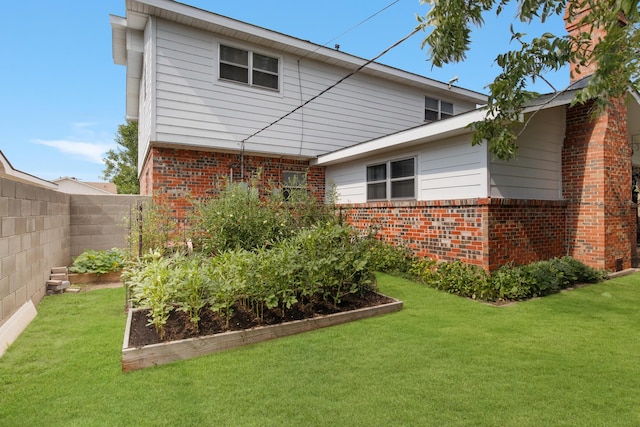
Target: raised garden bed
(87,278)
(142,356)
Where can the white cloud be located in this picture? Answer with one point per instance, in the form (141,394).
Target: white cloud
(91,151)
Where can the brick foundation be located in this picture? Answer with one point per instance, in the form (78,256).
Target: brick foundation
(485,232)
(180,175)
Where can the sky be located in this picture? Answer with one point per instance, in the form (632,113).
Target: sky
(62,97)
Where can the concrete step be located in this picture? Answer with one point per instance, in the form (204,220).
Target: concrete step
(58,270)
(59,276)
(57,285)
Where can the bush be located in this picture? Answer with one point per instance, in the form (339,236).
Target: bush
(388,258)
(509,282)
(99,262)
(241,219)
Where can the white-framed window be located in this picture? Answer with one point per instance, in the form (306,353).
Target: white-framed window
(248,67)
(436,109)
(293,182)
(394,179)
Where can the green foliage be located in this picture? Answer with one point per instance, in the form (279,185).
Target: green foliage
(507,283)
(154,287)
(387,257)
(615,53)
(323,262)
(153,223)
(99,262)
(454,277)
(240,218)
(122,164)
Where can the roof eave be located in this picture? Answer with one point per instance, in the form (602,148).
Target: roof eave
(210,21)
(454,126)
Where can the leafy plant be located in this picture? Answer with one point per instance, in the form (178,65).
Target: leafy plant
(99,262)
(151,226)
(152,286)
(507,283)
(241,218)
(191,287)
(387,257)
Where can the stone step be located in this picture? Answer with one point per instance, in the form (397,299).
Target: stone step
(59,276)
(57,285)
(57,270)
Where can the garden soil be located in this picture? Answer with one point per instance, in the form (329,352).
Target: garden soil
(179,327)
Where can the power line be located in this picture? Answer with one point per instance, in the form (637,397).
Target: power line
(360,23)
(332,86)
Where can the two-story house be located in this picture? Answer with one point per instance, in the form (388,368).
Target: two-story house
(219,98)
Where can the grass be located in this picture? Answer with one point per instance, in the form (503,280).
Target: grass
(568,359)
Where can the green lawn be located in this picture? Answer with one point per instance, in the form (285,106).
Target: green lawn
(568,359)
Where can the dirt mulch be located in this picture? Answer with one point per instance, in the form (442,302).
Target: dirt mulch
(179,327)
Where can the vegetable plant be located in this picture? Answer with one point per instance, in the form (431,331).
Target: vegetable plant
(99,262)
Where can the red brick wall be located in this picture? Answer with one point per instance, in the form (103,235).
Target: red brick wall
(524,231)
(484,232)
(177,175)
(596,175)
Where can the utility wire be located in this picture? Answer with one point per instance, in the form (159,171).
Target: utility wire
(396,44)
(360,23)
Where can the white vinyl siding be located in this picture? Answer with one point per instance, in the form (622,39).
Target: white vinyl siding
(536,172)
(194,108)
(147,103)
(445,170)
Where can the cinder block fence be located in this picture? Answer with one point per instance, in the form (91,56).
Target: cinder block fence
(42,228)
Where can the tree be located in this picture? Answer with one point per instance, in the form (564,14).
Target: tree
(122,164)
(614,25)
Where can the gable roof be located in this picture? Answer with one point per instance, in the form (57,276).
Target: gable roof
(67,185)
(8,171)
(127,47)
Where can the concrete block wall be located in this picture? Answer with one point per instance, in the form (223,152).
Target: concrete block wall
(34,236)
(99,222)
(42,228)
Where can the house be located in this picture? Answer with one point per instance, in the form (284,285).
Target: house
(218,98)
(72,185)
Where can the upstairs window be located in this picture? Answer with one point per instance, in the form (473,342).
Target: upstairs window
(436,109)
(391,180)
(245,66)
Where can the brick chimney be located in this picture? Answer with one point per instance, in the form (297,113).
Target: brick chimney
(596,175)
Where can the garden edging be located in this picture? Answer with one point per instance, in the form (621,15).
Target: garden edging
(157,354)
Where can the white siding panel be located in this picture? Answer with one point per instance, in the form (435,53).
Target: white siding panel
(536,173)
(146,119)
(448,169)
(192,105)
(452,169)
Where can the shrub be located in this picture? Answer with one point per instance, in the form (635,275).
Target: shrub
(387,257)
(99,262)
(509,282)
(454,277)
(241,219)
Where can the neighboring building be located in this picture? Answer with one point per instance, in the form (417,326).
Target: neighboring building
(74,186)
(7,171)
(203,86)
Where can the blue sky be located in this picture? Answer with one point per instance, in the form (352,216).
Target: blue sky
(63,97)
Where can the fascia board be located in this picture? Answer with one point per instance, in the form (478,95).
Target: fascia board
(457,125)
